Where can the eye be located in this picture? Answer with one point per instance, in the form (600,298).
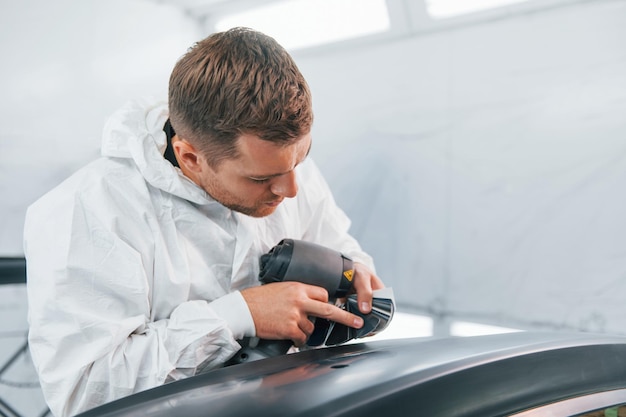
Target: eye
(260,180)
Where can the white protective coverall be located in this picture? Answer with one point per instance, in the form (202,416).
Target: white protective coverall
(134,270)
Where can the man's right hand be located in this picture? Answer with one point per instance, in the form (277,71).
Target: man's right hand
(281,310)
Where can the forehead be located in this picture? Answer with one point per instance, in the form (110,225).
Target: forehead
(258,157)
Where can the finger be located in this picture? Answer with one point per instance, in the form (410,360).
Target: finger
(316,293)
(365,296)
(334,313)
(377,283)
(307,327)
(300,340)
(364,293)
(364,284)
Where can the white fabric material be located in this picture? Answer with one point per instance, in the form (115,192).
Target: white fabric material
(134,272)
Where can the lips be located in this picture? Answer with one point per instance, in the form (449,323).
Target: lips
(274,203)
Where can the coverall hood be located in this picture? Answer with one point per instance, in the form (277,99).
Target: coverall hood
(132,132)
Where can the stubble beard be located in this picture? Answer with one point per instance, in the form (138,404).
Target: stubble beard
(256,211)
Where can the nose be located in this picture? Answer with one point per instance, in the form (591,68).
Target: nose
(285,185)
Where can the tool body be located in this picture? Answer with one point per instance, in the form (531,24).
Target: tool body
(310,263)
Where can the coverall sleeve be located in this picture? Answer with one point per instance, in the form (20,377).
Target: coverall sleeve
(92,335)
(328,225)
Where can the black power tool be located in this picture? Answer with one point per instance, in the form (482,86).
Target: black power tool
(310,263)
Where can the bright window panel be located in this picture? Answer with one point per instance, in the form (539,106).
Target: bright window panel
(299,24)
(441,9)
(464,328)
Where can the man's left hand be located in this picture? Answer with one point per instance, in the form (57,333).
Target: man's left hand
(365,282)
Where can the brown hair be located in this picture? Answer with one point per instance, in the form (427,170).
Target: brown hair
(235,82)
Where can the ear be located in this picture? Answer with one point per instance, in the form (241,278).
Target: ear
(188,157)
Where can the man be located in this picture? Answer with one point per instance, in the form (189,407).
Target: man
(142,266)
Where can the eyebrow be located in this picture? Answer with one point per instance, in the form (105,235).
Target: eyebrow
(259,177)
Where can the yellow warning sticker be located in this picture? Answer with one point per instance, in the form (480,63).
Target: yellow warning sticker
(348,274)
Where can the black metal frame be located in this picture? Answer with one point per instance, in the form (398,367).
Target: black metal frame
(12,270)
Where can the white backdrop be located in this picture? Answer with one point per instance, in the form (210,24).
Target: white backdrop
(68,64)
(484,166)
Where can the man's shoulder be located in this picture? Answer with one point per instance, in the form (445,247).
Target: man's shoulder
(102,177)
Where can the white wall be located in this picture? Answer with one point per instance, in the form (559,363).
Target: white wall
(67,64)
(485,167)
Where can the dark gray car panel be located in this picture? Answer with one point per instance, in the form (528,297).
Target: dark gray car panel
(478,376)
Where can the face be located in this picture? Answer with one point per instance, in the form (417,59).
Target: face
(259,179)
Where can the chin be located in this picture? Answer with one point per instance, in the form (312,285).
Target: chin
(262,212)
(257,212)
